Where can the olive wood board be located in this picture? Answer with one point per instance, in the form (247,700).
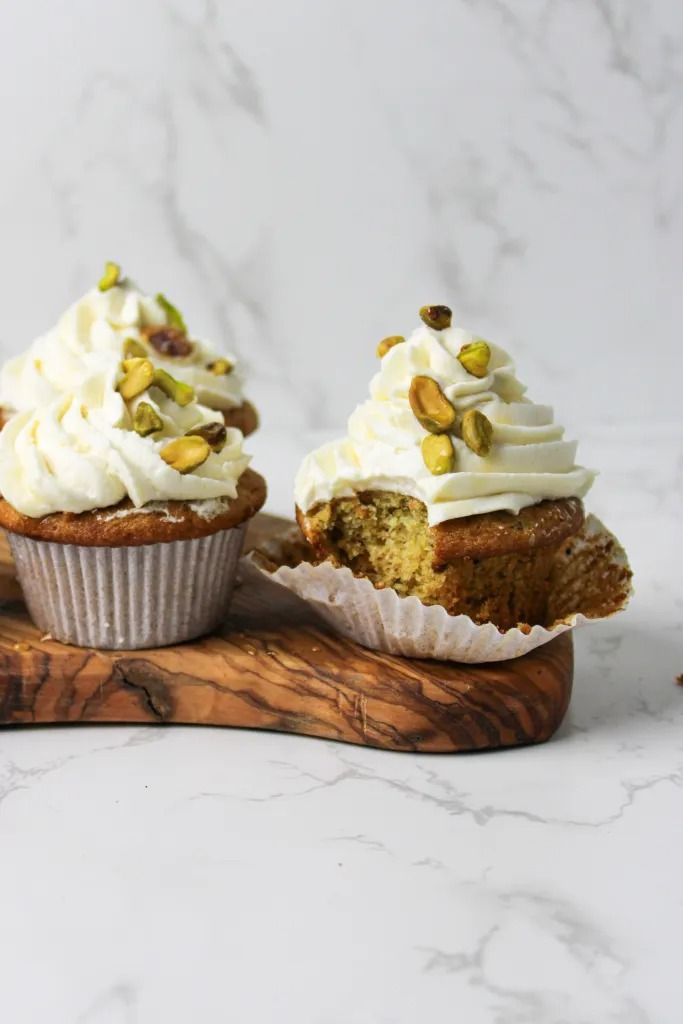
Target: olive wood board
(276,665)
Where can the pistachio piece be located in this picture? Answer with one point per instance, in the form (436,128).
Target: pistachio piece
(387,343)
(171,342)
(186,453)
(438,454)
(477,432)
(181,393)
(146,420)
(133,349)
(110,277)
(221,367)
(437,317)
(139,376)
(214,434)
(475,357)
(175,317)
(432,409)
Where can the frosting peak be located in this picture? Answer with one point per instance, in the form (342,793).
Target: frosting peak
(76,443)
(80,452)
(89,336)
(529,459)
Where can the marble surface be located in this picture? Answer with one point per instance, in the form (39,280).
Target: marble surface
(153,874)
(300,177)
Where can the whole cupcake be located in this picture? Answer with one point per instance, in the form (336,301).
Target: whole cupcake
(117,317)
(451,485)
(125,499)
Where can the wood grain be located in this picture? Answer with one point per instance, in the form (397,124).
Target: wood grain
(276,666)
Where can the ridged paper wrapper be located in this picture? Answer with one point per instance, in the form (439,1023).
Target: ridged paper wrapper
(591,581)
(128,598)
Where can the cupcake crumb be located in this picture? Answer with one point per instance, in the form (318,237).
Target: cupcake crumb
(22,646)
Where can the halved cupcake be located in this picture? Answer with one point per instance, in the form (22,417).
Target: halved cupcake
(126,502)
(451,486)
(114,318)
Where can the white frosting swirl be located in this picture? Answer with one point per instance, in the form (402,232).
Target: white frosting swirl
(90,335)
(529,460)
(79,452)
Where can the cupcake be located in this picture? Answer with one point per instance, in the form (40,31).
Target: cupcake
(451,486)
(117,317)
(125,498)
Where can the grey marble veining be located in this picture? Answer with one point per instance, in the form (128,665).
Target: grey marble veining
(300,177)
(208,874)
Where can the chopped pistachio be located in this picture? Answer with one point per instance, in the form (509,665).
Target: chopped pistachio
(175,317)
(438,453)
(214,434)
(110,277)
(477,432)
(432,409)
(220,367)
(139,376)
(388,343)
(436,317)
(186,453)
(177,390)
(146,420)
(169,341)
(475,357)
(133,349)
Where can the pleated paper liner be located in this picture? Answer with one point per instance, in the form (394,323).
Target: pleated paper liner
(128,597)
(591,582)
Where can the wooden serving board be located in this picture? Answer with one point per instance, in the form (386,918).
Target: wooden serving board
(276,666)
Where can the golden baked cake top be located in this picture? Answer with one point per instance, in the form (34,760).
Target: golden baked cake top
(447,422)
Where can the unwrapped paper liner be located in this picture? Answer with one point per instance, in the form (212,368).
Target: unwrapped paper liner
(129,597)
(591,581)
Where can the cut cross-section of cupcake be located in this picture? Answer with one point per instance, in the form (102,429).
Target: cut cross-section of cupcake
(450,486)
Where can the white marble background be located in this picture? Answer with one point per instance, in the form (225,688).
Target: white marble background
(300,176)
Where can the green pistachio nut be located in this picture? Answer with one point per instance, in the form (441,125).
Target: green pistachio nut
(146,420)
(438,454)
(475,357)
(477,432)
(139,375)
(186,453)
(214,434)
(436,317)
(174,316)
(177,390)
(110,277)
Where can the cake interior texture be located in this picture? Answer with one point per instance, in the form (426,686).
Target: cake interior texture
(504,577)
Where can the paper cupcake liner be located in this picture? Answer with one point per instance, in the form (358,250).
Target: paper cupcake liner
(591,582)
(128,597)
